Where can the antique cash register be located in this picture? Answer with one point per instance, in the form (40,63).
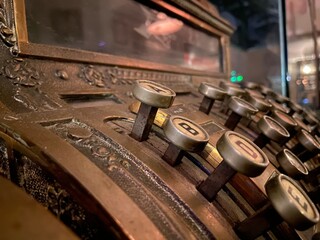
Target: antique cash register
(118,118)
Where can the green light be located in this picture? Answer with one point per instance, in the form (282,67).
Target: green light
(233,73)
(233,79)
(239,78)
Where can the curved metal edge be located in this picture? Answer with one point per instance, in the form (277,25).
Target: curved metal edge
(211,91)
(236,160)
(291,169)
(183,141)
(308,141)
(270,132)
(242,107)
(154,98)
(285,207)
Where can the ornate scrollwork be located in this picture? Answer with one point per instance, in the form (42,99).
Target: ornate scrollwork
(92,76)
(21,73)
(128,173)
(4,161)
(7,32)
(27,85)
(58,200)
(47,191)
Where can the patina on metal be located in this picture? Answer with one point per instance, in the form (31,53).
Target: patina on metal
(66,115)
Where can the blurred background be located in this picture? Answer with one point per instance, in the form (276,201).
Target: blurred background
(276,41)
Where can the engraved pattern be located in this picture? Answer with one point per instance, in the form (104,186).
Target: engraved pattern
(177,82)
(94,145)
(51,195)
(7,33)
(133,177)
(21,73)
(27,82)
(106,76)
(92,76)
(4,161)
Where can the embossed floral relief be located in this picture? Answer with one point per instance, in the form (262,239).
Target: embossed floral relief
(21,73)
(7,33)
(27,85)
(84,137)
(92,76)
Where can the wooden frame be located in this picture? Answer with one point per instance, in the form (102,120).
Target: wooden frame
(222,29)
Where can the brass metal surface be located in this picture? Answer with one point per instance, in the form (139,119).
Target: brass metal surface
(242,107)
(242,154)
(22,216)
(291,164)
(186,134)
(66,116)
(272,129)
(291,202)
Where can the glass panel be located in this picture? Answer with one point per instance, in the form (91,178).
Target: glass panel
(255,49)
(124,28)
(301,54)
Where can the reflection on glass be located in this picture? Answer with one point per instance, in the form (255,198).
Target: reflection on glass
(302,65)
(123,28)
(255,43)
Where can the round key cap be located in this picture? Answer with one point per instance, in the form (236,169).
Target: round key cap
(281,99)
(288,202)
(308,141)
(261,104)
(251,85)
(152,96)
(225,84)
(291,202)
(234,91)
(239,155)
(294,108)
(270,130)
(301,124)
(254,93)
(278,106)
(307,147)
(285,120)
(211,93)
(184,135)
(311,119)
(242,154)
(265,90)
(240,108)
(291,164)
(231,91)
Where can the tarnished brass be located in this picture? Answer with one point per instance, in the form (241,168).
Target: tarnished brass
(259,103)
(291,164)
(291,202)
(288,202)
(152,96)
(66,116)
(272,130)
(285,120)
(211,93)
(23,217)
(240,155)
(186,134)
